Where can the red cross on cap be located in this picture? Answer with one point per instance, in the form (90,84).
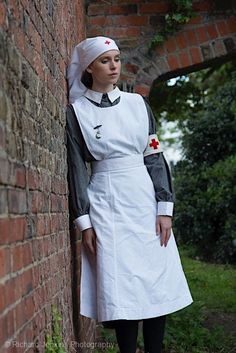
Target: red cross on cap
(107,42)
(154,144)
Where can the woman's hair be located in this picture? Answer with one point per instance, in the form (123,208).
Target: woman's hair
(87,79)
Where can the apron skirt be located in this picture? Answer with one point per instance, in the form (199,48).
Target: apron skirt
(132,276)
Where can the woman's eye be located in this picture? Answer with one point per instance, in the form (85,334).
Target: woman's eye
(104,61)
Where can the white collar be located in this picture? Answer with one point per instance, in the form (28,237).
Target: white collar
(97,96)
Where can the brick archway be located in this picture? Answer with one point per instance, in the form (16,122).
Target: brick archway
(207,39)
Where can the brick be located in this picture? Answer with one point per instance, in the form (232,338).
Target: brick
(173,62)
(4,231)
(191,37)
(27,256)
(17,229)
(123,9)
(19,315)
(131,20)
(170,45)
(29,307)
(130,1)
(222,28)
(154,7)
(123,32)
(18,175)
(10,323)
(100,21)
(195,20)
(201,35)
(2,297)
(211,31)
(142,89)
(131,68)
(5,263)
(181,41)
(2,14)
(231,23)
(160,50)
(184,58)
(17,258)
(33,205)
(202,6)
(32,179)
(40,227)
(3,201)
(12,291)
(2,137)
(97,9)
(43,225)
(36,40)
(195,55)
(3,331)
(17,201)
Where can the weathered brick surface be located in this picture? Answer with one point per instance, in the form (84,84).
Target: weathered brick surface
(36,39)
(207,37)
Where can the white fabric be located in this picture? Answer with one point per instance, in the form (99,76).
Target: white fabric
(117,139)
(153,145)
(165,208)
(83,222)
(97,96)
(132,276)
(83,55)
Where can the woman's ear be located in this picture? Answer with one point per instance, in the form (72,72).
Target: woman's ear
(89,69)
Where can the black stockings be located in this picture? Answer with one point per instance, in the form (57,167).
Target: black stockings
(153,333)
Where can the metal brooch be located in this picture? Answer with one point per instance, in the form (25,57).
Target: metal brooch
(98,133)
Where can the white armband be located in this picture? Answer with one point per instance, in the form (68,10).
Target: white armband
(153,145)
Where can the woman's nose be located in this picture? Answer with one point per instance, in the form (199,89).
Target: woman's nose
(113,64)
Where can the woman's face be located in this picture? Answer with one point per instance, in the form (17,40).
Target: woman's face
(105,70)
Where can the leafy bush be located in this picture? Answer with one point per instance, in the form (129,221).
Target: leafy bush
(205,179)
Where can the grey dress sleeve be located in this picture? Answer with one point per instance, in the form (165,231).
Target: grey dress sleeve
(77,176)
(158,168)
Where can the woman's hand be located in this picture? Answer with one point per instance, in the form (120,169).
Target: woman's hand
(89,240)
(163,228)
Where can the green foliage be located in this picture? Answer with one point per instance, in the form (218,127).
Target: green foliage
(205,179)
(54,342)
(188,95)
(181,13)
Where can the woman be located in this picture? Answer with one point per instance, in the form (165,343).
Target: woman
(131,269)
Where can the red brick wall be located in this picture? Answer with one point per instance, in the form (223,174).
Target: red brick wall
(36,262)
(207,38)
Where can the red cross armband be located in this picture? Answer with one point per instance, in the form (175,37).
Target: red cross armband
(153,145)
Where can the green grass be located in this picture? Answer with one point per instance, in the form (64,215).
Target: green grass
(213,288)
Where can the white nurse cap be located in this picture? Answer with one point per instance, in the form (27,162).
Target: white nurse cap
(83,55)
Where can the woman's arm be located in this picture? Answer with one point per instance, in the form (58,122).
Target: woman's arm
(78,181)
(160,174)
(77,173)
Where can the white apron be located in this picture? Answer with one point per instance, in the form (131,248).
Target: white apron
(132,276)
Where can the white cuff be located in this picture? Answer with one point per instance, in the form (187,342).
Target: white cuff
(165,208)
(83,222)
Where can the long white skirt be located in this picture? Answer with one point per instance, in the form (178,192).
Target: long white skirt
(132,276)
